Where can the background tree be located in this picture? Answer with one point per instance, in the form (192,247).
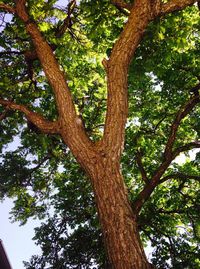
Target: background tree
(54,96)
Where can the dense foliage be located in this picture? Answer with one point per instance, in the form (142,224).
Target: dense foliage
(41,173)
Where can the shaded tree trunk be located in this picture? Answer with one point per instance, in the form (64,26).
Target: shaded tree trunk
(118,223)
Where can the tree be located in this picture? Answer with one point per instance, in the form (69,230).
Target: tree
(57,112)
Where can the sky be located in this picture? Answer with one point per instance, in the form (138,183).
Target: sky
(17,240)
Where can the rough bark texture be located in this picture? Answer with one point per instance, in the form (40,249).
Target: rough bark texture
(117,71)
(101,160)
(118,223)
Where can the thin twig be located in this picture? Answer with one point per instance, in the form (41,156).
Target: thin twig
(141,167)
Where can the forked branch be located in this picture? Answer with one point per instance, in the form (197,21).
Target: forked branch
(182,113)
(169,154)
(72,128)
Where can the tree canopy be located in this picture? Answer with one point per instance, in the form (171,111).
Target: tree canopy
(42,173)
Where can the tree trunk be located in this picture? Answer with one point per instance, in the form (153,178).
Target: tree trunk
(118,224)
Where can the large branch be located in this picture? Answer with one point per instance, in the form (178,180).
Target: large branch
(48,61)
(144,195)
(141,13)
(117,72)
(175,5)
(156,179)
(7,8)
(182,113)
(38,120)
(169,153)
(72,129)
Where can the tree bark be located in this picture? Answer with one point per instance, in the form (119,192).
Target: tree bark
(101,160)
(118,223)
